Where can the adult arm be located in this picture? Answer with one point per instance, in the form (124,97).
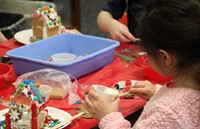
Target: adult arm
(107,21)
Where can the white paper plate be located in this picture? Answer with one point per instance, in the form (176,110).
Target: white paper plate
(24,36)
(2,114)
(54,112)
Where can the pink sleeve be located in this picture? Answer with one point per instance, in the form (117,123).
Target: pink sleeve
(158,118)
(114,120)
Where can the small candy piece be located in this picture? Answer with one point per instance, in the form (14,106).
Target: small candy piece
(29,92)
(54,23)
(78,102)
(31,39)
(50,23)
(45,12)
(58,21)
(45,8)
(37,84)
(22,84)
(35,98)
(26,86)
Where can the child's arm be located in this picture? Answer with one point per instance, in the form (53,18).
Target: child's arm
(104,20)
(104,111)
(114,120)
(117,30)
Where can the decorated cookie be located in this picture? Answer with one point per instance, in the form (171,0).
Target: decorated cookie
(81,108)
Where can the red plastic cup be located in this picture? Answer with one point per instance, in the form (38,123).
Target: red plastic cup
(5,72)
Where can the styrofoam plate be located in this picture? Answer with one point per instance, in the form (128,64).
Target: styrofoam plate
(54,112)
(24,36)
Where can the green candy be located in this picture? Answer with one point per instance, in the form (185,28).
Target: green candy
(58,21)
(40,10)
(22,84)
(50,23)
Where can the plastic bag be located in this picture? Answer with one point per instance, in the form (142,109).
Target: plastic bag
(77,91)
(58,80)
(127,55)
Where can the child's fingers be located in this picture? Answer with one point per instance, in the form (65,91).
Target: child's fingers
(123,38)
(141,92)
(116,100)
(137,90)
(140,84)
(87,103)
(129,36)
(94,96)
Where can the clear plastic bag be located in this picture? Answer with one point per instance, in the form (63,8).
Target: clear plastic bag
(127,55)
(58,80)
(77,91)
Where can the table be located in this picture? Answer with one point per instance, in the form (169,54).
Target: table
(108,75)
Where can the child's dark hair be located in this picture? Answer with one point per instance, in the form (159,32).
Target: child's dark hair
(174,26)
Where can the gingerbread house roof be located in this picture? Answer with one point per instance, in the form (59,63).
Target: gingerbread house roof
(49,15)
(28,91)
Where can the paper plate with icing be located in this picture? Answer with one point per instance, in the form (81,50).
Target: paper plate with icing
(54,112)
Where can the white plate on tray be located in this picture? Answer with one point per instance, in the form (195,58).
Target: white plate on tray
(24,36)
(54,112)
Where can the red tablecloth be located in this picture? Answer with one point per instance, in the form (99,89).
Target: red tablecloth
(108,75)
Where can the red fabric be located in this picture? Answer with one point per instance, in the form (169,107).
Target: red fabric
(108,75)
(124,19)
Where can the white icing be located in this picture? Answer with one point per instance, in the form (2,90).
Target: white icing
(14,115)
(44,32)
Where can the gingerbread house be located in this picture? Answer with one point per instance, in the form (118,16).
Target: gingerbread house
(25,107)
(46,22)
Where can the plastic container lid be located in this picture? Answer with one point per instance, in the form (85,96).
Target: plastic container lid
(62,57)
(46,90)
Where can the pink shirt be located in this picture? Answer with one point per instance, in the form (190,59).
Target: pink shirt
(170,108)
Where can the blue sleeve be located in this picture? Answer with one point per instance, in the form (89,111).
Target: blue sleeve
(116,8)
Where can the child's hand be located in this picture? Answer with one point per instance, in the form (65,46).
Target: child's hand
(120,32)
(98,107)
(144,89)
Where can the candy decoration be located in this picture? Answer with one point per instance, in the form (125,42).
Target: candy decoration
(34,115)
(14,115)
(35,98)
(45,12)
(54,23)
(37,84)
(29,92)
(40,10)
(8,121)
(22,84)
(50,23)
(58,21)
(45,8)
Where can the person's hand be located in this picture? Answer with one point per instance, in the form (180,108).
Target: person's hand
(98,107)
(143,89)
(120,32)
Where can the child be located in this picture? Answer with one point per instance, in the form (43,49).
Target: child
(170,33)
(108,19)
